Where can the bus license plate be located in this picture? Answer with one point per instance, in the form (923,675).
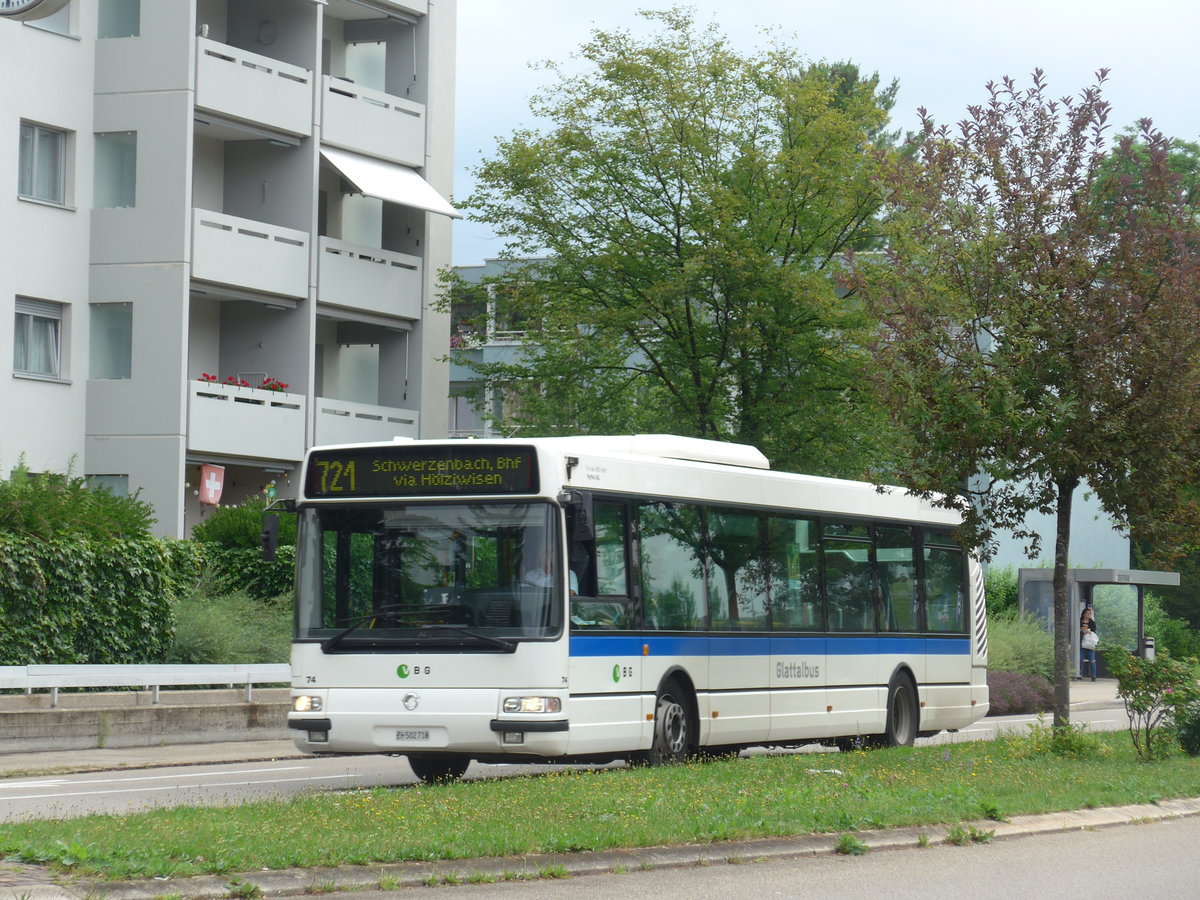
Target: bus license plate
(412,734)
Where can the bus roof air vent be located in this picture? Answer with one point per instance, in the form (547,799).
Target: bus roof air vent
(673,446)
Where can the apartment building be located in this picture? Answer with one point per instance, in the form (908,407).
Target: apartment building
(223,223)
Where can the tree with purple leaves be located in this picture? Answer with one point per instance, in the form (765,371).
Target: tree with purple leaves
(1040,325)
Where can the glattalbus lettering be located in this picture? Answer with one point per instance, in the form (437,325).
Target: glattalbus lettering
(796,671)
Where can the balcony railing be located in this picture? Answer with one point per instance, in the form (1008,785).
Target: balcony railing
(240,421)
(358,118)
(344,422)
(378,281)
(248,254)
(255,88)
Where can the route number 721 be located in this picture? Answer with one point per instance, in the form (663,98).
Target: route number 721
(338,476)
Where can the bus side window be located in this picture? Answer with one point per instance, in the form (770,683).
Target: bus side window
(943,585)
(673,589)
(897,578)
(793,574)
(601,571)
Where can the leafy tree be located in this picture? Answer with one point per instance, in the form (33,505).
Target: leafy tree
(688,207)
(1041,329)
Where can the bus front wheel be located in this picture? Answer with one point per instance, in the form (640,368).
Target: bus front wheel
(901,713)
(434,767)
(674,735)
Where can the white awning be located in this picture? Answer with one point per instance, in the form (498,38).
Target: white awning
(388,181)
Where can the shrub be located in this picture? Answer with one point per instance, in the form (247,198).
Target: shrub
(1068,742)
(1187,724)
(1000,590)
(82,581)
(241,526)
(220,628)
(185,565)
(1173,635)
(1020,644)
(52,505)
(1018,693)
(232,536)
(1154,691)
(73,601)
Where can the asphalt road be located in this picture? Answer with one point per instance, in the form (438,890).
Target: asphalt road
(1156,859)
(132,790)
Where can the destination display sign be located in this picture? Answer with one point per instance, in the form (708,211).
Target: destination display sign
(400,471)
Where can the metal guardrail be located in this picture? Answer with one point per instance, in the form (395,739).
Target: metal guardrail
(148,677)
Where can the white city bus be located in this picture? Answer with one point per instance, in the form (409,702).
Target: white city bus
(642,597)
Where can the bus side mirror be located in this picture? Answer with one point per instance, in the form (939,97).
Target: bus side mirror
(270,536)
(579,510)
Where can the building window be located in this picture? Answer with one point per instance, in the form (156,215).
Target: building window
(42,163)
(37,339)
(119,18)
(111,335)
(116,169)
(117,485)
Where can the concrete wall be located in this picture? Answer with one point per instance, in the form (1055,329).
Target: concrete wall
(131,719)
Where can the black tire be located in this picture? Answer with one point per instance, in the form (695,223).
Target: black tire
(674,729)
(438,767)
(902,714)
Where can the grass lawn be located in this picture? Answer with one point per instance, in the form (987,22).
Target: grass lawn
(761,796)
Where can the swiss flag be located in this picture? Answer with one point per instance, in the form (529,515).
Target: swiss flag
(212,479)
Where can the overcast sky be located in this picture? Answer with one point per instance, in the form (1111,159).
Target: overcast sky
(942,52)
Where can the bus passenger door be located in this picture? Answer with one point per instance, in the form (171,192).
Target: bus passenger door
(670,580)
(605,665)
(798,663)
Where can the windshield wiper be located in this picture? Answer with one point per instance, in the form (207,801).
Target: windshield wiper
(391,609)
(498,643)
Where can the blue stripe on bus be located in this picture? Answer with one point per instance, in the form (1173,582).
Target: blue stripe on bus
(719,645)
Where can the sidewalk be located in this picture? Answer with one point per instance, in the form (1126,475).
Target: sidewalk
(1099,694)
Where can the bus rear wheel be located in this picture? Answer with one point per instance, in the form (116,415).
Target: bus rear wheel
(674,731)
(435,767)
(901,713)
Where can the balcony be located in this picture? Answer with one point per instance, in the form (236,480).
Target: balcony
(240,421)
(369,121)
(379,281)
(247,254)
(343,422)
(258,89)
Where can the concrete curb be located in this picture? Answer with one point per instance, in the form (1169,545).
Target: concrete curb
(33,883)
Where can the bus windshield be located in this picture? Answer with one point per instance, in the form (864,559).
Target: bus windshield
(450,577)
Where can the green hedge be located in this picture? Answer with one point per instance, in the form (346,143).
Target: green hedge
(232,538)
(237,569)
(79,601)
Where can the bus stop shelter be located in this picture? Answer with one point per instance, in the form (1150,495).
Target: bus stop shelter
(1119,598)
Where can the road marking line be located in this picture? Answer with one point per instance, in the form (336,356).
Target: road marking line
(177,787)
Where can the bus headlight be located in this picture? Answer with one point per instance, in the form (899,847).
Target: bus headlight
(532,705)
(306,703)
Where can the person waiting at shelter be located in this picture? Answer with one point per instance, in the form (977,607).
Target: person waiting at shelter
(1089,638)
